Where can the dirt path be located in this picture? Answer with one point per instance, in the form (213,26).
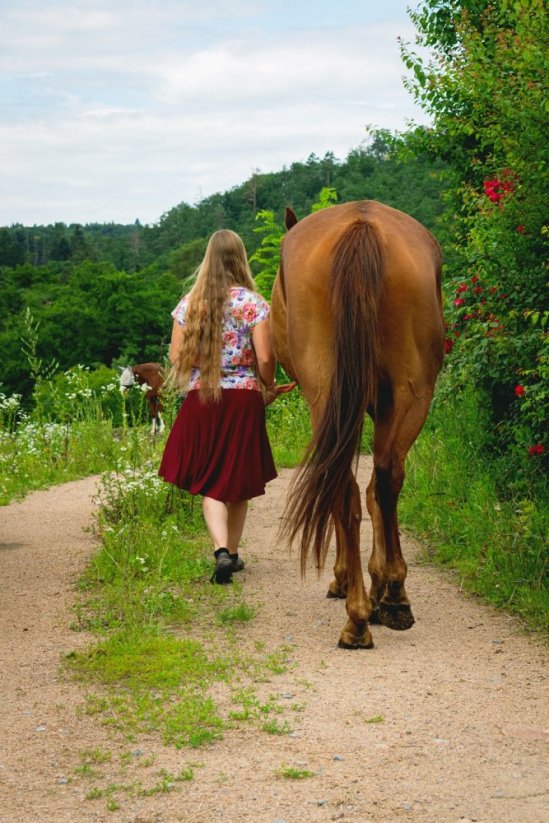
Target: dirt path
(460,700)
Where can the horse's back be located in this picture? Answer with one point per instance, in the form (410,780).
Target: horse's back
(410,310)
(310,245)
(150,373)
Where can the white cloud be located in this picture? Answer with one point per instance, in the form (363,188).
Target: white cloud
(118,114)
(320,66)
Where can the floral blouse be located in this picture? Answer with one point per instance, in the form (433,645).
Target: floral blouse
(244,310)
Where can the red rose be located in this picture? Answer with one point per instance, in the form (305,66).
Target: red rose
(520,229)
(537,449)
(459,302)
(520,391)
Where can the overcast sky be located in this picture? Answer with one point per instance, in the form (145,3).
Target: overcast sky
(119,111)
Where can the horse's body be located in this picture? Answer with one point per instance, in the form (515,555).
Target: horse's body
(357,321)
(152,376)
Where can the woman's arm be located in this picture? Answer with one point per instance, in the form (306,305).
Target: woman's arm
(263,346)
(175,342)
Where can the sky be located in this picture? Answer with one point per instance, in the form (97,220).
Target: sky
(119,111)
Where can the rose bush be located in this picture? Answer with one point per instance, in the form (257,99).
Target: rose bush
(484,88)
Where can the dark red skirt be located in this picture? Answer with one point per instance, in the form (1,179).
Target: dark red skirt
(220,450)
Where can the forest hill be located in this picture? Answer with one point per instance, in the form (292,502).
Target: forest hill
(103,292)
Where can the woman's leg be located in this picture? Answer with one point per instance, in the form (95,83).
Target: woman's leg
(236,519)
(225,524)
(216,516)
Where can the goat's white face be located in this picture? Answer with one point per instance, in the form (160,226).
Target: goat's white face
(127,378)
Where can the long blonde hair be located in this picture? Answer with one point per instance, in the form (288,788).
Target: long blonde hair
(225,264)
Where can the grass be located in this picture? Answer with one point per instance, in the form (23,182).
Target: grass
(289,428)
(115,792)
(242,613)
(257,713)
(494,538)
(38,456)
(291,773)
(165,634)
(68,436)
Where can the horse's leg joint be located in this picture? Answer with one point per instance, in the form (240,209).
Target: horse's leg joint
(389,479)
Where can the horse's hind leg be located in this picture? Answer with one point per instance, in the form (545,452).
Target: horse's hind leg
(395,431)
(340,584)
(347,516)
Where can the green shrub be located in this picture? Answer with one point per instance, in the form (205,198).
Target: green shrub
(451,499)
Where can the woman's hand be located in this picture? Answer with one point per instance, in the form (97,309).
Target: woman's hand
(272,392)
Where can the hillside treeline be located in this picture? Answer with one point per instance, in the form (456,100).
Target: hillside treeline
(102,293)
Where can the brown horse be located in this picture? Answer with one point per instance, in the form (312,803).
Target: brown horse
(152,376)
(357,321)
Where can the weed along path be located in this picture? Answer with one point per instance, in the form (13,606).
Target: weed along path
(445,722)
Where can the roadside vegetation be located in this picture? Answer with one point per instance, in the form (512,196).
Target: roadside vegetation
(452,500)
(477,485)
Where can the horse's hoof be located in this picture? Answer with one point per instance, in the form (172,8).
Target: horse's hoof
(374,618)
(335,592)
(357,639)
(396,616)
(342,644)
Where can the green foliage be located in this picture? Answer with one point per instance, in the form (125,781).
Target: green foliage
(185,260)
(267,256)
(326,198)
(69,431)
(451,499)
(67,435)
(485,90)
(289,427)
(90,314)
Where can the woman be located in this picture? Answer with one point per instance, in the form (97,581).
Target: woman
(222,357)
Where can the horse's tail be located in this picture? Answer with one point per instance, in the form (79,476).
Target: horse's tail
(324,483)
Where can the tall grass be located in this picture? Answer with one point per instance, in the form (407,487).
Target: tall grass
(289,428)
(37,452)
(495,538)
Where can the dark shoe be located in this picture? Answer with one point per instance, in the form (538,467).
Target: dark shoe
(238,564)
(223,571)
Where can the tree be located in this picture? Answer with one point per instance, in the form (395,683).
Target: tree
(11,252)
(485,91)
(60,248)
(267,255)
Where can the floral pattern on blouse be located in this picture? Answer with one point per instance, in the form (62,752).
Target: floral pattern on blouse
(243,311)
